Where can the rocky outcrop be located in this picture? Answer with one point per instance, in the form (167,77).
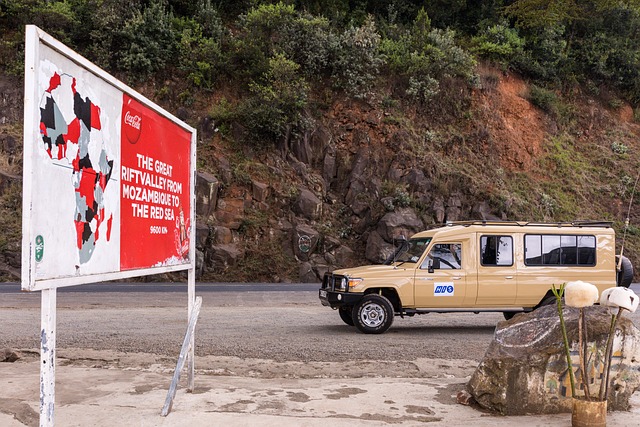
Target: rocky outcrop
(225,256)
(525,372)
(206,194)
(402,223)
(308,205)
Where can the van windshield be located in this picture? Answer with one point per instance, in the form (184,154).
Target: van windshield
(412,250)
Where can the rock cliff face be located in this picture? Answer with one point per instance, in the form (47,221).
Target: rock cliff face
(340,196)
(361,175)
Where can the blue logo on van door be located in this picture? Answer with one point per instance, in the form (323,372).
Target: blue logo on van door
(443,289)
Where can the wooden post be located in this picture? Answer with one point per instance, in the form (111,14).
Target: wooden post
(47,356)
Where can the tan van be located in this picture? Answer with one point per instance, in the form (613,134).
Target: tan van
(476,266)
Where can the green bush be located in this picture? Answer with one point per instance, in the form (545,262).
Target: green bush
(259,37)
(310,43)
(424,57)
(270,29)
(544,99)
(137,40)
(149,40)
(277,102)
(619,147)
(200,49)
(358,59)
(499,43)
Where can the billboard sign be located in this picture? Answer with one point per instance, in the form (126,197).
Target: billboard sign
(108,181)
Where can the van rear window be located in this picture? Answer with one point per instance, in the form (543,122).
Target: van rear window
(560,250)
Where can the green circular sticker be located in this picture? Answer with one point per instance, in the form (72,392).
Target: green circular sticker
(39,248)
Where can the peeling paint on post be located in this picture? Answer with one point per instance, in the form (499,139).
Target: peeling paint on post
(47,356)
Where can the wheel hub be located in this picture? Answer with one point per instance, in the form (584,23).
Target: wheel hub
(372,315)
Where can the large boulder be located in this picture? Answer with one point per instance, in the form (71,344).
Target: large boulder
(202,235)
(344,256)
(225,256)
(403,222)
(417,181)
(329,166)
(525,372)
(378,250)
(454,207)
(306,273)
(308,205)
(260,191)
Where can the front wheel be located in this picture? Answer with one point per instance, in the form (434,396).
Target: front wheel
(346,314)
(373,314)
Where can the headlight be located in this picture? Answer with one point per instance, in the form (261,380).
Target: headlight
(342,286)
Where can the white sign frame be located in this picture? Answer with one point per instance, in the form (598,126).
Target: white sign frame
(36,41)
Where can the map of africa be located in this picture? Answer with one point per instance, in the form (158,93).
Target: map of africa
(69,128)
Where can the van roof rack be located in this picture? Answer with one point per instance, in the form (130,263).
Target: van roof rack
(579,223)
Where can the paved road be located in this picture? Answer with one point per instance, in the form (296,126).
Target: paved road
(12,287)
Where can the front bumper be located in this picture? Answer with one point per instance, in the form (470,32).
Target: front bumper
(335,299)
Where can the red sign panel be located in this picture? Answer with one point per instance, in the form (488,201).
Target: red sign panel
(154,189)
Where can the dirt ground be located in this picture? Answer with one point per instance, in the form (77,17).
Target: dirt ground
(262,358)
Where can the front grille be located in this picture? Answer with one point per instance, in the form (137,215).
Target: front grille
(333,282)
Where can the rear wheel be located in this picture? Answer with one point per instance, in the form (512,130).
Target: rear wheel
(547,301)
(346,315)
(508,315)
(373,314)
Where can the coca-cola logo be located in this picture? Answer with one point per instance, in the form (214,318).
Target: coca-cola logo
(132,120)
(132,125)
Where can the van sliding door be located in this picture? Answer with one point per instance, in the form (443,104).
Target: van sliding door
(497,272)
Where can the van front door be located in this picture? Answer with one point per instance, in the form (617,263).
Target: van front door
(441,280)
(497,272)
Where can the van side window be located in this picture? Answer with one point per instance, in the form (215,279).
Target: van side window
(444,256)
(496,250)
(564,250)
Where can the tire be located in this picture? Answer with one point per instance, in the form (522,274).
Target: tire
(373,314)
(346,314)
(508,315)
(625,275)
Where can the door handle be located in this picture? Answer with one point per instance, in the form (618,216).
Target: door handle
(509,277)
(457,278)
(425,278)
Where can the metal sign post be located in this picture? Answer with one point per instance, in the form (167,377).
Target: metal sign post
(47,356)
